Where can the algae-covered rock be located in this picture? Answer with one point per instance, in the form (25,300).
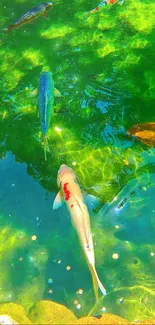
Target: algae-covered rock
(106,319)
(147,322)
(48,312)
(87,320)
(7,320)
(110,319)
(14,311)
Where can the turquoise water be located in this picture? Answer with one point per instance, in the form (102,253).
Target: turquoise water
(103,65)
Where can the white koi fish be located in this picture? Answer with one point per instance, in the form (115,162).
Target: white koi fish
(70,193)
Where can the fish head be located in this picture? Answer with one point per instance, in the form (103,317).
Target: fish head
(49,5)
(45,73)
(65,174)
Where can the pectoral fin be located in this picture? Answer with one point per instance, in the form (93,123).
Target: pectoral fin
(58,202)
(57,93)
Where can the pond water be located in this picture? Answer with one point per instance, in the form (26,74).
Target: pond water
(103,66)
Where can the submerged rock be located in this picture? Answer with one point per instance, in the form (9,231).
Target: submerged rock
(110,319)
(7,320)
(48,312)
(14,312)
(87,320)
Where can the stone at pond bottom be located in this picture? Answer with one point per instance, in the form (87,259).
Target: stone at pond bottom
(106,319)
(48,312)
(111,319)
(7,320)
(86,320)
(16,312)
(146,322)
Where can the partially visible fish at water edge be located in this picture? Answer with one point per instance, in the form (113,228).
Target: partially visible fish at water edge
(31,15)
(144,132)
(45,104)
(104,3)
(70,193)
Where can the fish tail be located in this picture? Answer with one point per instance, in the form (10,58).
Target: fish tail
(45,146)
(96,282)
(9,28)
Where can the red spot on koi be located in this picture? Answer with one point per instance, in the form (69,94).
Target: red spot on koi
(97,8)
(112,1)
(67,192)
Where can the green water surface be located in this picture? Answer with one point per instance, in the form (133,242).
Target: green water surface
(103,65)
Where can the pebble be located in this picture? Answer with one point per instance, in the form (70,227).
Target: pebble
(20,259)
(80,291)
(103,309)
(50,291)
(59,261)
(117,226)
(68,267)
(78,306)
(115,256)
(152,254)
(75,302)
(50,280)
(74,163)
(34,237)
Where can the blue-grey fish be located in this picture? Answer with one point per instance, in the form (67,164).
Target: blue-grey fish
(31,15)
(46,104)
(70,193)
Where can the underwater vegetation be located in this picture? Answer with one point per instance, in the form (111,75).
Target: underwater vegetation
(103,65)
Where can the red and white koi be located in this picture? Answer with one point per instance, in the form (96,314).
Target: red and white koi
(70,193)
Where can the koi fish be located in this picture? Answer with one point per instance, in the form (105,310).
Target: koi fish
(104,3)
(31,15)
(70,193)
(45,104)
(144,132)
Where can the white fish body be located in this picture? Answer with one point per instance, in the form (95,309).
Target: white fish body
(70,193)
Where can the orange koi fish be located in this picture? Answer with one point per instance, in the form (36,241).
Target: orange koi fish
(144,132)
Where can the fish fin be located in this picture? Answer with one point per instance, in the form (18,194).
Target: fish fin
(57,93)
(45,146)
(96,282)
(58,202)
(45,15)
(34,92)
